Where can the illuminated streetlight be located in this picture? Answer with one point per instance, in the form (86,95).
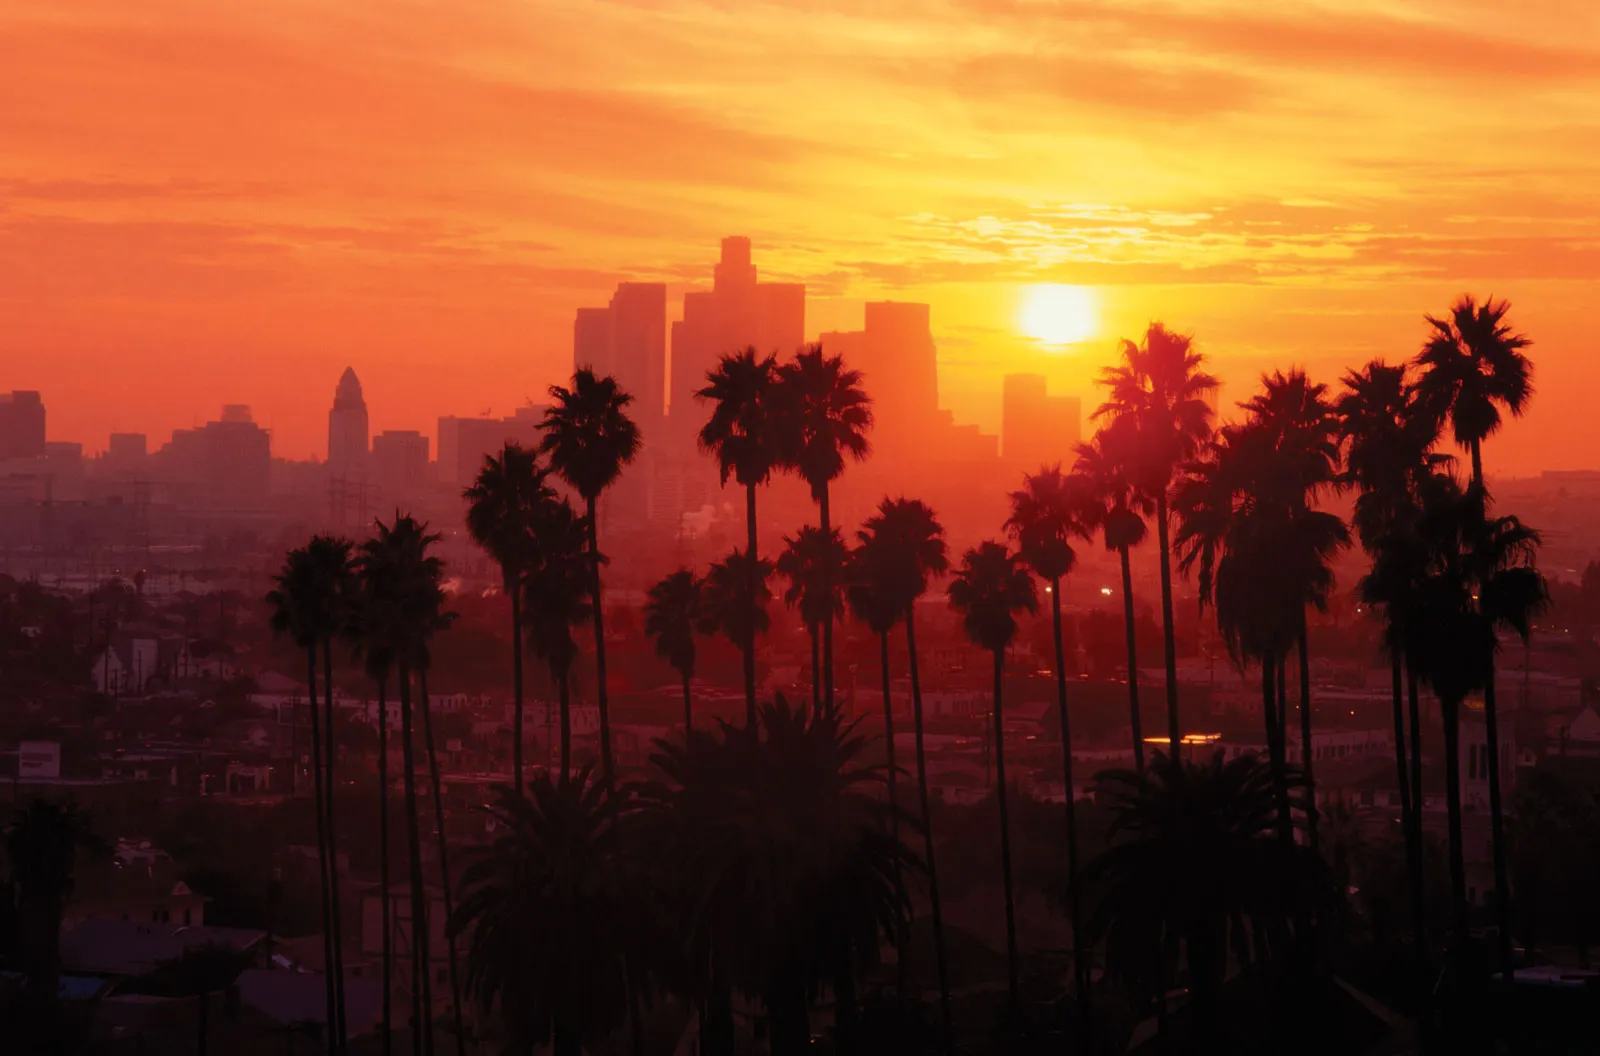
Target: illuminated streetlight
(1105,591)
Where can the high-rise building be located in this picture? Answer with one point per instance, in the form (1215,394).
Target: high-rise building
(628,339)
(347,430)
(126,455)
(463,442)
(900,366)
(399,460)
(234,457)
(738,312)
(1037,429)
(21,424)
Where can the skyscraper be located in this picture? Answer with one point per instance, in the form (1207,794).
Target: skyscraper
(21,424)
(347,430)
(900,364)
(1037,429)
(628,340)
(237,459)
(399,460)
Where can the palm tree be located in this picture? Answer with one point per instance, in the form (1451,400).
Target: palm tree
(1118,510)
(907,545)
(733,603)
(307,604)
(1049,511)
(813,562)
(503,511)
(1470,367)
(777,853)
(589,439)
(43,845)
(557,598)
(557,878)
(826,415)
(1160,388)
(1193,864)
(989,589)
(670,617)
(743,434)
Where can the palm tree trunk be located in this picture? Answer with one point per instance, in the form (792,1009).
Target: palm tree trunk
(816,669)
(564,692)
(688,706)
(1502,882)
(1283,705)
(1407,809)
(750,607)
(844,1000)
(1169,642)
(599,644)
(1306,752)
(330,986)
(1074,897)
(421,985)
(1012,986)
(1133,662)
(1477,463)
(565,1041)
(824,511)
(330,742)
(1275,747)
(516,688)
(1451,713)
(383,864)
(787,1015)
(444,859)
(894,805)
(927,834)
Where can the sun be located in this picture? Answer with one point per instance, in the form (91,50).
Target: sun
(1059,315)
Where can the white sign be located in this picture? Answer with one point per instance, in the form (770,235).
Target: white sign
(39,760)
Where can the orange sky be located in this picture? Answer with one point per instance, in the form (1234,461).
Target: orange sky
(206,202)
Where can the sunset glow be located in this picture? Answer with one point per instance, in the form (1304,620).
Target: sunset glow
(1059,315)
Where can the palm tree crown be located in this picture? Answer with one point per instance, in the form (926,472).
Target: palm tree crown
(1471,366)
(671,613)
(740,431)
(989,589)
(825,414)
(504,507)
(813,563)
(723,605)
(1160,388)
(908,538)
(588,435)
(1049,511)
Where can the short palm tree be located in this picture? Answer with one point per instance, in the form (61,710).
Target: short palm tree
(557,597)
(1118,510)
(1471,366)
(871,601)
(43,845)
(730,609)
(990,588)
(908,549)
(744,435)
(813,563)
(1193,867)
(589,438)
(670,617)
(826,414)
(504,505)
(1160,389)
(557,878)
(1047,513)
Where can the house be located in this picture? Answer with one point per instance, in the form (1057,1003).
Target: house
(142,889)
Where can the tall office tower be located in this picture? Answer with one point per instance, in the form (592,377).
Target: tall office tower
(21,424)
(628,339)
(738,312)
(399,460)
(347,430)
(126,455)
(238,459)
(1037,429)
(591,340)
(463,442)
(900,367)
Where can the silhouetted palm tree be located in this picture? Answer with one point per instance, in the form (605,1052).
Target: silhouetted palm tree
(670,617)
(309,604)
(503,511)
(1471,366)
(548,905)
(43,843)
(557,597)
(776,848)
(813,563)
(1049,511)
(989,589)
(725,601)
(1193,864)
(1161,389)
(826,414)
(1118,510)
(744,435)
(589,439)
(907,545)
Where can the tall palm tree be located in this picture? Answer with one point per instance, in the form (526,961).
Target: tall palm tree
(556,599)
(306,605)
(43,843)
(1471,366)
(908,546)
(728,606)
(813,563)
(1193,866)
(1047,513)
(557,878)
(334,555)
(1160,388)
(670,617)
(589,438)
(1118,510)
(826,415)
(504,505)
(991,587)
(743,434)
